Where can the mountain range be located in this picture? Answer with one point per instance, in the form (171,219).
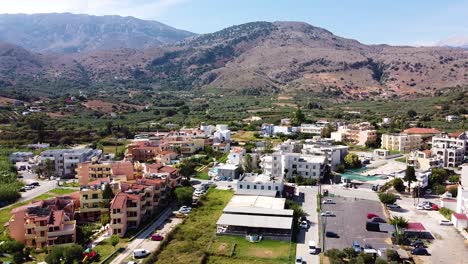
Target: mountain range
(253,58)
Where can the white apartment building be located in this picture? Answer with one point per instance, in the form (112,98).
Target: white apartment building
(236,156)
(460,217)
(334,154)
(451,148)
(222,134)
(423,160)
(260,184)
(311,128)
(292,164)
(66,160)
(401,142)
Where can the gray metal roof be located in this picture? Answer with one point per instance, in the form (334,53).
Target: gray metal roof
(257,211)
(257,221)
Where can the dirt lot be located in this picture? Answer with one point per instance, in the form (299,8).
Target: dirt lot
(107,107)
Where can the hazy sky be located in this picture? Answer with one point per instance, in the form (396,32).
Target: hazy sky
(412,22)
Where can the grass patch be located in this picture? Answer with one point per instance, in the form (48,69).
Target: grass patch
(224,158)
(105,248)
(202,175)
(402,159)
(189,240)
(447,213)
(266,249)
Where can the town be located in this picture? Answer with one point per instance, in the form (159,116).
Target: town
(292,192)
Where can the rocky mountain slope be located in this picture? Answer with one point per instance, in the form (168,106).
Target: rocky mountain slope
(68,33)
(252,58)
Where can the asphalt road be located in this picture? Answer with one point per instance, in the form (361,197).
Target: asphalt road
(138,241)
(309,206)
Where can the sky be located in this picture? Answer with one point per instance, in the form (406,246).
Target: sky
(395,22)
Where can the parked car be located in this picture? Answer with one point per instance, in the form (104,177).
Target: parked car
(420,251)
(393,206)
(445,222)
(378,220)
(427,207)
(356,247)
(371,215)
(304,225)
(140,253)
(417,243)
(156,237)
(298,260)
(312,247)
(22,189)
(368,246)
(328,201)
(331,234)
(327,213)
(420,207)
(435,207)
(303,218)
(34,184)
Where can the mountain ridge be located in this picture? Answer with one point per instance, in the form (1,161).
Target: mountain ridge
(256,58)
(71,33)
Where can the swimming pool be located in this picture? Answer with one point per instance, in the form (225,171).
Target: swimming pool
(354,174)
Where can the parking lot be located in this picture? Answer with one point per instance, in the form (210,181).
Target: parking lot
(349,223)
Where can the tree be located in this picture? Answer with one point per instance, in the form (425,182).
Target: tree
(410,176)
(326,132)
(349,252)
(352,161)
(387,198)
(398,221)
(392,255)
(184,195)
(411,113)
(114,239)
(340,168)
(454,178)
(187,168)
(398,185)
(107,194)
(49,167)
(298,117)
(438,176)
(67,254)
(247,163)
(105,219)
(380,261)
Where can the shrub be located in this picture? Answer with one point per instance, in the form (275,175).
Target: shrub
(453,190)
(447,213)
(387,198)
(352,161)
(398,185)
(184,195)
(454,178)
(392,255)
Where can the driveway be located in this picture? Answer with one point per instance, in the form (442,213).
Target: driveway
(309,206)
(360,193)
(139,241)
(448,246)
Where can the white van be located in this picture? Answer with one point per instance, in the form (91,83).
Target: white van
(140,253)
(312,247)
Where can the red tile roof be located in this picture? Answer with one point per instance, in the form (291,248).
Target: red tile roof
(420,130)
(119,201)
(460,216)
(415,227)
(456,134)
(428,152)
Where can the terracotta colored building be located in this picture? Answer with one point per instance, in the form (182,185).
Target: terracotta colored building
(44,223)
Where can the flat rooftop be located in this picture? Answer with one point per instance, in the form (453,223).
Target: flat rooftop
(256,221)
(227,166)
(257,201)
(259,178)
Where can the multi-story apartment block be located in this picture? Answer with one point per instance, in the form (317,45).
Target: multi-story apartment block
(137,202)
(312,128)
(292,164)
(334,154)
(92,202)
(66,160)
(44,223)
(423,160)
(94,170)
(357,134)
(451,148)
(401,142)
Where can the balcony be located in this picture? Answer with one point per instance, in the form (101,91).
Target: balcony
(68,229)
(30,236)
(41,228)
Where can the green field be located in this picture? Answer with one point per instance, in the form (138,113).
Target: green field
(202,175)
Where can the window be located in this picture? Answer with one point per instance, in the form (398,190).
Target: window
(276,188)
(248,186)
(95,195)
(269,188)
(240,186)
(307,173)
(255,187)
(263,187)
(307,166)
